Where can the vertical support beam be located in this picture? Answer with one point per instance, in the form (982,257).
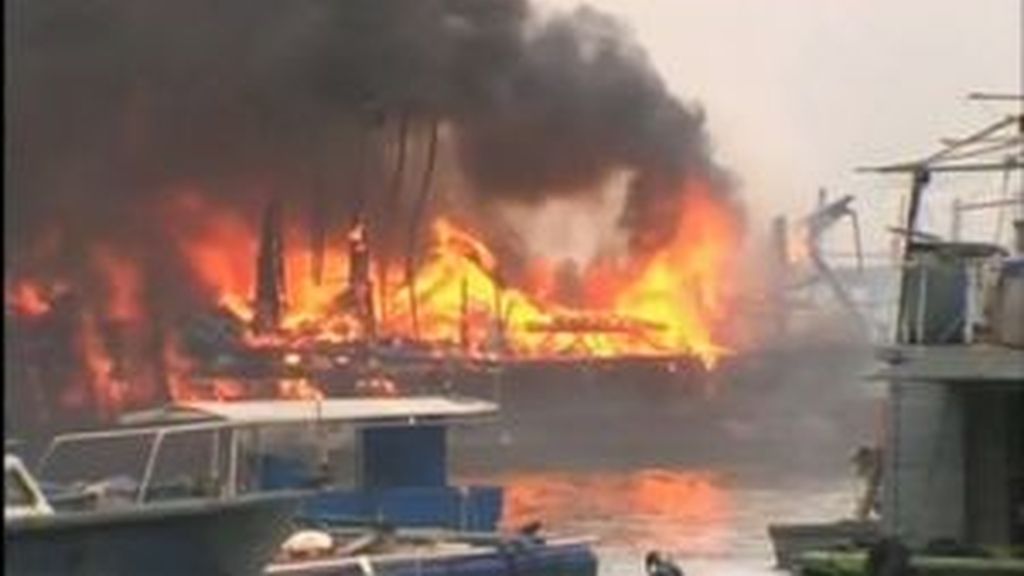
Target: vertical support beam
(920,180)
(892,455)
(957,222)
(147,475)
(359,293)
(270,279)
(780,273)
(499,344)
(385,240)
(318,230)
(414,226)
(215,459)
(232,485)
(918,337)
(464,315)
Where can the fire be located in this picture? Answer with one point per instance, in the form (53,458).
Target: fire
(668,303)
(665,303)
(298,389)
(178,367)
(108,392)
(455,289)
(217,245)
(28,298)
(124,284)
(682,285)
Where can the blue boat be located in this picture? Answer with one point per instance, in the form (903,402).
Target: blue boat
(381,500)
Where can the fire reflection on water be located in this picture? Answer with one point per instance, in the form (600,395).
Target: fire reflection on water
(686,511)
(712,522)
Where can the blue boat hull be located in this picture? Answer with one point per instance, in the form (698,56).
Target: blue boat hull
(511,559)
(196,537)
(536,561)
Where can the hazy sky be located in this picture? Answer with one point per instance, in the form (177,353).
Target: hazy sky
(800,92)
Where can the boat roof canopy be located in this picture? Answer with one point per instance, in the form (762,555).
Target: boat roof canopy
(355,411)
(962,249)
(974,364)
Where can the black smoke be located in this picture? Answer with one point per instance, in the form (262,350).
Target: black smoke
(111,104)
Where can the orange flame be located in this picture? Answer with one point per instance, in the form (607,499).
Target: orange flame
(107,391)
(177,367)
(665,303)
(124,284)
(217,245)
(298,389)
(682,285)
(28,298)
(669,302)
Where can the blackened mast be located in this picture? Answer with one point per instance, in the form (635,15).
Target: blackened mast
(270,276)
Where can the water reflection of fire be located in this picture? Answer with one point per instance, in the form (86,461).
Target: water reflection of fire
(691,511)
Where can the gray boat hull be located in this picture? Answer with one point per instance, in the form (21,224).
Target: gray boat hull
(792,540)
(197,537)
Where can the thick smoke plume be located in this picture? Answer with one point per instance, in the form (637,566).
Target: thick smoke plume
(114,106)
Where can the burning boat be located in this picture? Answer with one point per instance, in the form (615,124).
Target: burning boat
(373,192)
(454,313)
(451,321)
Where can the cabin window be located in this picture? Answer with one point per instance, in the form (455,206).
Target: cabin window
(16,491)
(97,459)
(404,457)
(301,456)
(190,464)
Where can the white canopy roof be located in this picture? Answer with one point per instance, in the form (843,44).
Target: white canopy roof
(341,410)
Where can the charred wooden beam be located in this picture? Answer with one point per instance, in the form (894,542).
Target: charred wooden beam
(270,278)
(418,214)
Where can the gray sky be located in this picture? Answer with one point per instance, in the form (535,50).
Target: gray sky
(799,92)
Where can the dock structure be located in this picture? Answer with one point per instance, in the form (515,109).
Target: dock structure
(952,444)
(953,468)
(954,464)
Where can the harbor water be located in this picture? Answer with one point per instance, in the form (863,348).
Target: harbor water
(694,468)
(710,522)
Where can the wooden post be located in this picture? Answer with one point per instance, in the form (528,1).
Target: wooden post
(414,226)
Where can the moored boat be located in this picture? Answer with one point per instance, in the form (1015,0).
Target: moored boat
(790,541)
(380,500)
(203,536)
(952,466)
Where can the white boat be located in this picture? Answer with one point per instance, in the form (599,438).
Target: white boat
(203,536)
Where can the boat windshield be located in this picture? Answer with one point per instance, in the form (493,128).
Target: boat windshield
(16,491)
(87,461)
(190,464)
(166,464)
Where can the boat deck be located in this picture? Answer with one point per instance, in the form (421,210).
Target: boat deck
(482,555)
(958,364)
